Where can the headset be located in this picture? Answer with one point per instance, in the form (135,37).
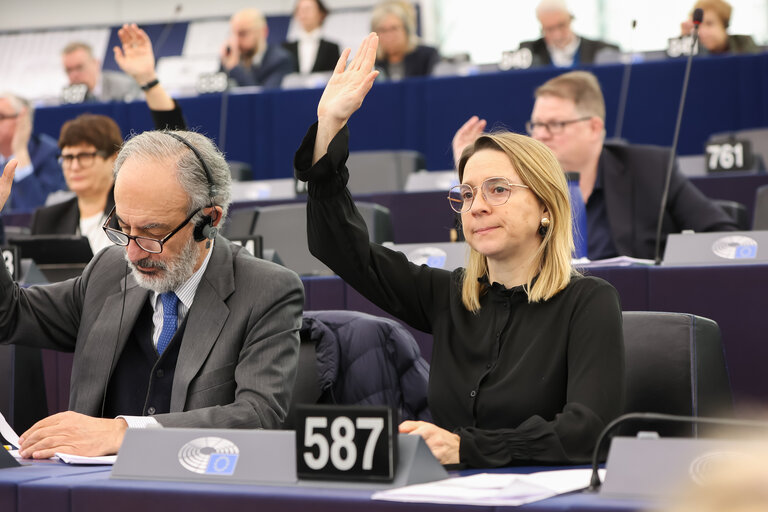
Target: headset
(204,229)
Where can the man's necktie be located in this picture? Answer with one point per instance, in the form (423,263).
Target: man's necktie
(170,320)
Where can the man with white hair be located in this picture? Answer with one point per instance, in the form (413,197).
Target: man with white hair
(247,57)
(560,46)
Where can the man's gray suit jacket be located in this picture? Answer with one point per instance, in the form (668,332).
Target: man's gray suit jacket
(237,361)
(116,86)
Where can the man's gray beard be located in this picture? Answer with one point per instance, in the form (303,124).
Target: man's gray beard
(173,273)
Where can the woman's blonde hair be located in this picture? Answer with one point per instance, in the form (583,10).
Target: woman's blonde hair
(405,12)
(537,168)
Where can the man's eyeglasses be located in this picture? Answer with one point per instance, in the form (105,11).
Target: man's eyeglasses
(83,159)
(496,191)
(553,127)
(151,245)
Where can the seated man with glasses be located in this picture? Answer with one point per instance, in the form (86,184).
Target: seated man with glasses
(175,325)
(621,184)
(527,362)
(39,173)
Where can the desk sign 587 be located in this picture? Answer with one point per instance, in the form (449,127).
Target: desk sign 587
(346,442)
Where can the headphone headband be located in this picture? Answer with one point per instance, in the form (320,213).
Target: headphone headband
(211,187)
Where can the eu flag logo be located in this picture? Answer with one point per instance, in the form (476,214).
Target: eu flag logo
(221,464)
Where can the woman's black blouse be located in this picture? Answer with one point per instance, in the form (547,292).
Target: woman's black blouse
(520,383)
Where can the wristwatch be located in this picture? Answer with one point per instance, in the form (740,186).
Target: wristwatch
(150,85)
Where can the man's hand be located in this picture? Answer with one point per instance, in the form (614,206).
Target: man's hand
(6,181)
(686,27)
(443,444)
(466,135)
(345,92)
(136,57)
(230,54)
(73,433)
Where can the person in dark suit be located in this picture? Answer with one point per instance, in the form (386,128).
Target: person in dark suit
(399,54)
(174,325)
(621,184)
(311,53)
(39,171)
(247,58)
(89,146)
(713,32)
(82,67)
(560,46)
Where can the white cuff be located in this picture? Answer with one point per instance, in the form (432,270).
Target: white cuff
(23,172)
(139,421)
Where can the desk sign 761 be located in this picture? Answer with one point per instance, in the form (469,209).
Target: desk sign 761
(346,442)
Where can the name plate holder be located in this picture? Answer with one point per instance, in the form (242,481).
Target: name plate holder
(665,467)
(254,457)
(207,455)
(725,248)
(7,460)
(337,443)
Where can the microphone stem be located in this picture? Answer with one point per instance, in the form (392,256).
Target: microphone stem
(673,152)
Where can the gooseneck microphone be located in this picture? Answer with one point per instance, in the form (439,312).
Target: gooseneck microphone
(595,483)
(698,15)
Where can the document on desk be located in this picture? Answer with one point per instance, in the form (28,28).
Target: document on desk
(13,438)
(493,489)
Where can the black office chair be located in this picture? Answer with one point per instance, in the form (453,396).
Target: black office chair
(353,358)
(283,228)
(674,365)
(736,210)
(760,217)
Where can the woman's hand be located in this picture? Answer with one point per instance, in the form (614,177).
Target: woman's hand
(345,92)
(443,444)
(6,181)
(135,55)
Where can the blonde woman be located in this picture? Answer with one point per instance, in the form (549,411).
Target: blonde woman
(527,360)
(399,54)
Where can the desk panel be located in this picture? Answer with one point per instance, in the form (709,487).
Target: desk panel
(264,129)
(96,492)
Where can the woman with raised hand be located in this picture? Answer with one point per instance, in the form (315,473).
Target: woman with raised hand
(527,361)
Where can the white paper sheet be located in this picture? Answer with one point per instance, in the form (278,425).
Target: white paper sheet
(493,489)
(78,459)
(7,432)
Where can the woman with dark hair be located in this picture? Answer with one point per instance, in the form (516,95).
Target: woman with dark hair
(527,361)
(713,31)
(311,53)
